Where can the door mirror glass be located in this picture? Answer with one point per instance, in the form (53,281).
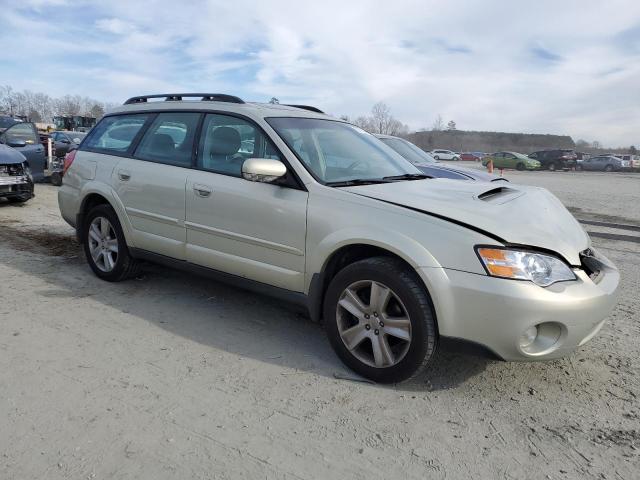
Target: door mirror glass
(263,170)
(16,143)
(65,140)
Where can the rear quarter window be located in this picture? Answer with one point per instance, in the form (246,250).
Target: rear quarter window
(115,133)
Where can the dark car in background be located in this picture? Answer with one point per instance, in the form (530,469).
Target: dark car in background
(605,163)
(560,159)
(470,156)
(430,166)
(24,138)
(66,141)
(16,182)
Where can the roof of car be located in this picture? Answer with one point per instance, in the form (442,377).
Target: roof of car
(218,102)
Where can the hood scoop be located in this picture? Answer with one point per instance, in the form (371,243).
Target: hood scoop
(499,195)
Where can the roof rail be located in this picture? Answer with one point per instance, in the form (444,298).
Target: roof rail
(170,97)
(306,107)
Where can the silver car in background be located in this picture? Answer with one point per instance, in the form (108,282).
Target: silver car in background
(289,201)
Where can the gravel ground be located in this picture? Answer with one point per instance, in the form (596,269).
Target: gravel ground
(173,376)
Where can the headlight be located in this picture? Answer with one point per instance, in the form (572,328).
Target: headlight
(539,268)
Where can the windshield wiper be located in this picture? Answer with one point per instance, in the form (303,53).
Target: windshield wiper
(407,176)
(358,181)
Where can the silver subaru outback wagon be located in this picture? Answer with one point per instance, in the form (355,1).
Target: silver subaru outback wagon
(289,201)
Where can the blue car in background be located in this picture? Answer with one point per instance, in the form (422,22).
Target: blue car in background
(23,137)
(430,166)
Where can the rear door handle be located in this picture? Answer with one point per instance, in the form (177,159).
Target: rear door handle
(201,190)
(124,175)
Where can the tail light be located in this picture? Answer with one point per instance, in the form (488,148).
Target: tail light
(68,160)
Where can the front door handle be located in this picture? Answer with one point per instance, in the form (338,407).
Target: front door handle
(201,190)
(124,175)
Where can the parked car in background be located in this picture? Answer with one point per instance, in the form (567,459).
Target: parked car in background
(7,121)
(470,156)
(605,163)
(65,141)
(24,138)
(444,155)
(430,166)
(514,160)
(16,183)
(634,160)
(553,160)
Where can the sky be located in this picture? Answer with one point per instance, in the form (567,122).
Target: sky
(563,67)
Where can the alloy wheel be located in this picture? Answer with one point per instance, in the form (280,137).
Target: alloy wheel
(103,244)
(373,323)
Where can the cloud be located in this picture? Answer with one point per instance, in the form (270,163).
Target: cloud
(569,68)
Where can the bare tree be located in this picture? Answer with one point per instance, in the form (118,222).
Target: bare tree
(274,100)
(438,124)
(595,144)
(451,125)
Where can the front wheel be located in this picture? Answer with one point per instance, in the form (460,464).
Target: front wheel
(56,179)
(553,167)
(379,320)
(105,246)
(520,166)
(608,168)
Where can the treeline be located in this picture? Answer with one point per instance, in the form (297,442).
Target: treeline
(40,107)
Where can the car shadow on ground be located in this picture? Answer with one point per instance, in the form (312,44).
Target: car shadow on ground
(215,314)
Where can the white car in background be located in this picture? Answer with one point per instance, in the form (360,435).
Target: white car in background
(445,155)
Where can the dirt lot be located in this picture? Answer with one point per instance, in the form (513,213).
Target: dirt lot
(173,376)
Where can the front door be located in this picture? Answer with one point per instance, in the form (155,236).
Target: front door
(24,138)
(249,229)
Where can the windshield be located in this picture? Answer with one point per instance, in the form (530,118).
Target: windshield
(409,151)
(339,152)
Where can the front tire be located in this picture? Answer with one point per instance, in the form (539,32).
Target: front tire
(520,166)
(553,167)
(379,320)
(105,246)
(608,168)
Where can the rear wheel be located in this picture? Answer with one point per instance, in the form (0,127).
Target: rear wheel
(105,246)
(56,179)
(379,320)
(436,157)
(553,167)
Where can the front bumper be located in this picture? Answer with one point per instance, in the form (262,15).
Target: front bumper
(495,312)
(15,186)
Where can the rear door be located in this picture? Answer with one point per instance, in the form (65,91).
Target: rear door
(151,185)
(32,149)
(249,229)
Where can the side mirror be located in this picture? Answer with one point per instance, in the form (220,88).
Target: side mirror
(17,143)
(263,170)
(64,140)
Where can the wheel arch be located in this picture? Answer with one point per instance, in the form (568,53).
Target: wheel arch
(346,254)
(98,195)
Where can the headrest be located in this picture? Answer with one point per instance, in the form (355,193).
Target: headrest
(225,141)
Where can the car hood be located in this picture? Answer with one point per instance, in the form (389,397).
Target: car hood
(10,155)
(515,214)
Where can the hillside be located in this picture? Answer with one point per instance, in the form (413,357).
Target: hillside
(461,141)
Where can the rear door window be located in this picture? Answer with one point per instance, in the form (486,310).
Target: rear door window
(115,133)
(170,139)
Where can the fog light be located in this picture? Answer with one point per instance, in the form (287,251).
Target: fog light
(528,336)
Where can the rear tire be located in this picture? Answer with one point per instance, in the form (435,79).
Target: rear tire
(386,353)
(56,179)
(105,246)
(553,167)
